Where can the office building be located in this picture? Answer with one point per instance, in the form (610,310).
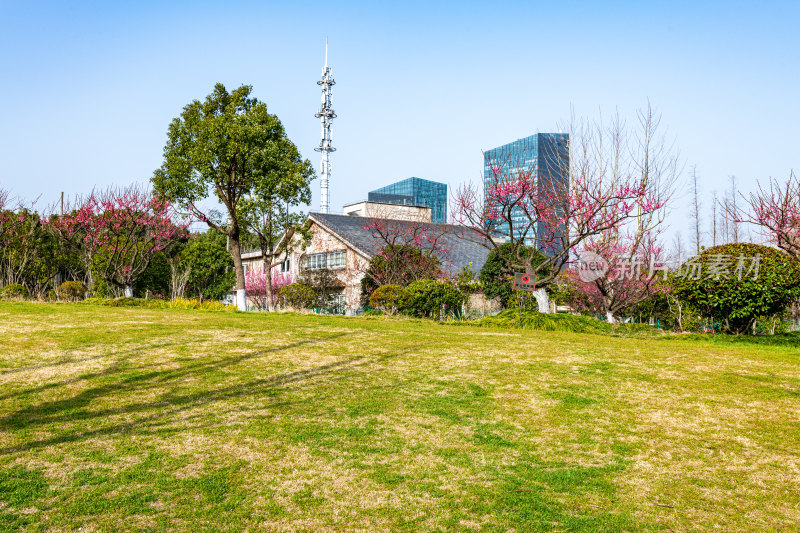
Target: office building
(542,158)
(416,192)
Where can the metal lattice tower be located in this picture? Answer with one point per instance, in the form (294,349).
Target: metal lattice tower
(326,116)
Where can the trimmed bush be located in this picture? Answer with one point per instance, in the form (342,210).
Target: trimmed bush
(297,295)
(72,291)
(15,291)
(429,298)
(387,298)
(711,284)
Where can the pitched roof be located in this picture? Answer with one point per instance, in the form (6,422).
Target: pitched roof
(462,244)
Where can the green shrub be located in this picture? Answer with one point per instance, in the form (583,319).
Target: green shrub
(429,298)
(297,295)
(155,278)
(524,300)
(399,264)
(211,274)
(512,318)
(15,291)
(387,298)
(497,278)
(72,291)
(467,280)
(732,302)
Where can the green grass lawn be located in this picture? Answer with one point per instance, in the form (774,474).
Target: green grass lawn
(116,419)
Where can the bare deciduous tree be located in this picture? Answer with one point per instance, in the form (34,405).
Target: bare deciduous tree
(775,208)
(696,219)
(612,176)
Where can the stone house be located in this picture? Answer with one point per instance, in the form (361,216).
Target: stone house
(344,244)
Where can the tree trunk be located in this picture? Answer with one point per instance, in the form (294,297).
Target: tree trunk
(236,253)
(268,279)
(542,300)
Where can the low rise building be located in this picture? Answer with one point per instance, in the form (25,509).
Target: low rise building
(343,245)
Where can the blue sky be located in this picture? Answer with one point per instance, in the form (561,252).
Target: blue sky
(422,87)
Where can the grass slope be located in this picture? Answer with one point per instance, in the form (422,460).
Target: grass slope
(118,419)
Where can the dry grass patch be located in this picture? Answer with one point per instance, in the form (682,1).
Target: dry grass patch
(117,419)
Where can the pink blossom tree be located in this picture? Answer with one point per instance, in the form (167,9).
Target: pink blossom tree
(405,250)
(776,209)
(607,178)
(118,231)
(617,270)
(259,292)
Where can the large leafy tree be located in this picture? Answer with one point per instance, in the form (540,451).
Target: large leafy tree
(266,211)
(225,148)
(210,269)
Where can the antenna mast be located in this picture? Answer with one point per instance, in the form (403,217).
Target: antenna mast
(326,116)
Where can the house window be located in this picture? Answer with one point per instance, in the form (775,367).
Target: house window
(337,300)
(316,261)
(286,265)
(336,259)
(325,260)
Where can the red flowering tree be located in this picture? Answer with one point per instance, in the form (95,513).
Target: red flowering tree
(259,292)
(617,270)
(118,231)
(775,208)
(404,250)
(602,180)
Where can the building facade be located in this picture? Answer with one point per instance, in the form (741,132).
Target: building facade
(395,211)
(544,157)
(342,246)
(417,192)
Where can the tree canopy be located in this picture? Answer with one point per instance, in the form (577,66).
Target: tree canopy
(227,146)
(739,282)
(496,275)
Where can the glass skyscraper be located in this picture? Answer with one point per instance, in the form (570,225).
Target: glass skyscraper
(415,191)
(543,156)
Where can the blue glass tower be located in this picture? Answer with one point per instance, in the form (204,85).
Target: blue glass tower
(545,158)
(415,191)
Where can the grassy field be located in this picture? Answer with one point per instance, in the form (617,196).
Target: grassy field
(115,419)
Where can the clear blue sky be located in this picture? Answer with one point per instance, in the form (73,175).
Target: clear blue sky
(422,87)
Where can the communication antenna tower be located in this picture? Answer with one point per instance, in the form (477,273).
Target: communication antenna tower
(326,116)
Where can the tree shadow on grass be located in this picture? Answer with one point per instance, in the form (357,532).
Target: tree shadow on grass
(119,358)
(168,404)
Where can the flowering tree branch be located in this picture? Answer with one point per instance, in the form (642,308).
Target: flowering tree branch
(776,208)
(606,181)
